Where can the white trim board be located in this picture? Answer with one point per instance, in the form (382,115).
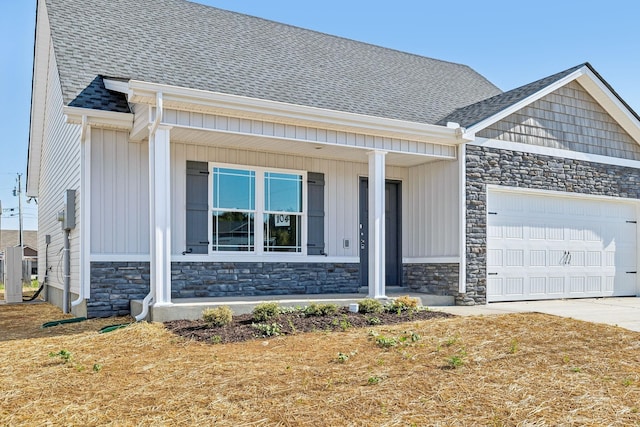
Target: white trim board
(562,194)
(555,152)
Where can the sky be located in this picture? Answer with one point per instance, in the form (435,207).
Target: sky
(511,43)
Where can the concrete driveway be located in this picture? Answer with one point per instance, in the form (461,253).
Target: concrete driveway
(622,312)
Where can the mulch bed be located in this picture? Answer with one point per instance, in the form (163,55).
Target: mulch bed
(241,329)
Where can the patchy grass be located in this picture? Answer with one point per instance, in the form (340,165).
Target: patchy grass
(563,372)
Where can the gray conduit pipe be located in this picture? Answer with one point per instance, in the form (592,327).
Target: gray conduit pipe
(66,272)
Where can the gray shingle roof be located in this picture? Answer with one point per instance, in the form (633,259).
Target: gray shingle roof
(475,113)
(185,44)
(97,97)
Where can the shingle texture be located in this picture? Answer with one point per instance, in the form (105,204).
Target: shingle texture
(185,44)
(97,97)
(474,113)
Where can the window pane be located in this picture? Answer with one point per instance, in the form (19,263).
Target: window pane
(233,189)
(282,233)
(233,231)
(282,192)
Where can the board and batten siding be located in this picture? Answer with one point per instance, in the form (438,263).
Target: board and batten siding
(59,171)
(341,189)
(432,225)
(119,194)
(305,133)
(119,202)
(568,118)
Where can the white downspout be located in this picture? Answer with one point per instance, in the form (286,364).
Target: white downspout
(146,302)
(85,150)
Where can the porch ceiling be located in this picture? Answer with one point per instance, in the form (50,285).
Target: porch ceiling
(295,147)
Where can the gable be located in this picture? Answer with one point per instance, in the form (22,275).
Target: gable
(570,119)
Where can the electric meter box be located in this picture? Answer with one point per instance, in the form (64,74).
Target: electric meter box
(69,217)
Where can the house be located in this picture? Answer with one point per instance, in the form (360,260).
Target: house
(192,152)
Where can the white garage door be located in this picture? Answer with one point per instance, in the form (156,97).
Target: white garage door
(544,246)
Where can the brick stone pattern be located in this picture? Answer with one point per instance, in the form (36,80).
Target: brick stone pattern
(114,285)
(214,279)
(517,169)
(432,279)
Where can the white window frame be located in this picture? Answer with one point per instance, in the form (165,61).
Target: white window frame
(259,212)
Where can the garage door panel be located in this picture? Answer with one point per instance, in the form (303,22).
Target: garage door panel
(556,286)
(537,258)
(594,284)
(537,286)
(514,286)
(545,246)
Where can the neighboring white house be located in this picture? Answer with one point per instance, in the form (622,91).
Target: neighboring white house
(215,154)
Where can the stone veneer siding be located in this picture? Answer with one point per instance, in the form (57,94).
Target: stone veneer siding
(432,279)
(518,169)
(115,284)
(216,279)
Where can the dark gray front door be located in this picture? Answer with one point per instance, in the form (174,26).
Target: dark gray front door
(393,241)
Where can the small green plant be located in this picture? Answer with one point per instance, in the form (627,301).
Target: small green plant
(373,380)
(343,323)
(627,382)
(409,336)
(513,348)
(402,303)
(343,357)
(314,309)
(265,311)
(268,330)
(451,341)
(373,320)
(370,305)
(64,355)
(386,342)
(456,360)
(97,367)
(576,369)
(218,316)
(216,339)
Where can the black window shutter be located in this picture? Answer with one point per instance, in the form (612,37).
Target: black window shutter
(315,213)
(197,207)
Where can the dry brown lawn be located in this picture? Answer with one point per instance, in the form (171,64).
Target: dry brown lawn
(519,369)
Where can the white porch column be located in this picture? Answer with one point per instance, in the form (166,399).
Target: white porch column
(377,224)
(160,214)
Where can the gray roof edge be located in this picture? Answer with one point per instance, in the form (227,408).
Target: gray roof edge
(488,107)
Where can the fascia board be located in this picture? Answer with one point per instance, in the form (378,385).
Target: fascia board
(611,103)
(259,109)
(526,101)
(99,118)
(38,97)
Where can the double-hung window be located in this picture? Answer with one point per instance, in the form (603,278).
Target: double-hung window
(243,197)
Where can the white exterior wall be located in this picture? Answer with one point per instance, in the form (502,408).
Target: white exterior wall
(341,189)
(432,228)
(119,194)
(59,171)
(119,188)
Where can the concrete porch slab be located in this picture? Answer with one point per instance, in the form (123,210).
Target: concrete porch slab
(191,308)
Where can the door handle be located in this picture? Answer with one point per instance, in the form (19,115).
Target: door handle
(569,258)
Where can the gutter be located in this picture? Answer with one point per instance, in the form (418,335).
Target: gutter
(146,302)
(83,141)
